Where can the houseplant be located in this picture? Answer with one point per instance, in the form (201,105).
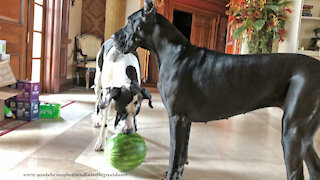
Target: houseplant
(262,21)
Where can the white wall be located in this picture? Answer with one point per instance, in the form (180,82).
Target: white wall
(132,6)
(74,30)
(290,43)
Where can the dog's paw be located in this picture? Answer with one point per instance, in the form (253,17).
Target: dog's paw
(175,177)
(99,146)
(180,172)
(96,124)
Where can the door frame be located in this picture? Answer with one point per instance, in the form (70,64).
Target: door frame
(30,41)
(52,79)
(194,10)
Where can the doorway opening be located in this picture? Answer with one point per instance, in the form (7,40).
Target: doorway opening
(183,22)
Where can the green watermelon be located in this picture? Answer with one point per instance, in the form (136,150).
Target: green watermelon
(125,151)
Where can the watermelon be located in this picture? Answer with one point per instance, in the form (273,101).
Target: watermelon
(125,151)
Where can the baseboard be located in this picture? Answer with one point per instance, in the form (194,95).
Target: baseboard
(67,84)
(149,85)
(82,82)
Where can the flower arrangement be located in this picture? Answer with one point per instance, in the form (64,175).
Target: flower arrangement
(262,21)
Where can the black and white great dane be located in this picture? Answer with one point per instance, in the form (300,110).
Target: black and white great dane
(118,78)
(200,85)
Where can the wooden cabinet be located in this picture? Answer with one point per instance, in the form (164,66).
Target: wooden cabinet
(13,29)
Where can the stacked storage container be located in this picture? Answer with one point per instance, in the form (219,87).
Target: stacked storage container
(26,105)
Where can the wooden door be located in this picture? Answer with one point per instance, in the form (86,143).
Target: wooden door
(56,40)
(204,26)
(204,30)
(13,29)
(64,45)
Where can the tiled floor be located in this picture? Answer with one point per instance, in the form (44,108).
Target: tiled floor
(245,147)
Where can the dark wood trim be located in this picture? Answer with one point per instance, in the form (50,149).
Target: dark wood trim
(187,8)
(213,44)
(204,5)
(39,4)
(56,46)
(148,85)
(30,39)
(64,39)
(44,22)
(55,71)
(219,2)
(48,45)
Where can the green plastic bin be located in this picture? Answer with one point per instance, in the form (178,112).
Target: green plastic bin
(50,111)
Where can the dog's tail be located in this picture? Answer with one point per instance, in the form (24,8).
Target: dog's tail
(100,57)
(97,79)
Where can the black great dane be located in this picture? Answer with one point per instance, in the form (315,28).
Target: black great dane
(199,85)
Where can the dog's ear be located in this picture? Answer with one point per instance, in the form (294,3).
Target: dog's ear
(148,8)
(113,94)
(146,95)
(116,122)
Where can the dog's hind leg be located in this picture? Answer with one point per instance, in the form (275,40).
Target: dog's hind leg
(99,146)
(313,162)
(97,116)
(179,135)
(292,149)
(311,157)
(298,120)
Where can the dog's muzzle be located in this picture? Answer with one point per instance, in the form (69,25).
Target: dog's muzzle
(127,131)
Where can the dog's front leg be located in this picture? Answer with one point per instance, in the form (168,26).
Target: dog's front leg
(102,137)
(179,135)
(184,159)
(97,117)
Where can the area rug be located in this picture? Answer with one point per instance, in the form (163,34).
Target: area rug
(9,125)
(63,103)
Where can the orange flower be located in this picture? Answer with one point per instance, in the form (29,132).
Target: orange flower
(244,13)
(271,24)
(256,14)
(281,32)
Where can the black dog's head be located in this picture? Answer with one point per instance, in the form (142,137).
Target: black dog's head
(139,26)
(127,104)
